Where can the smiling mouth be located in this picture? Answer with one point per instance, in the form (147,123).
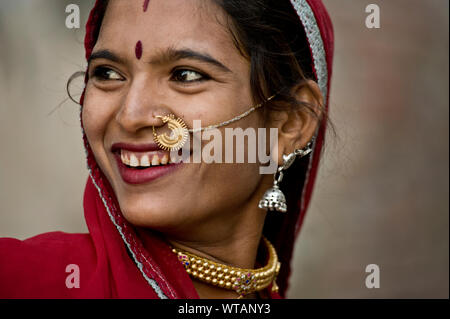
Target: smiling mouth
(143,163)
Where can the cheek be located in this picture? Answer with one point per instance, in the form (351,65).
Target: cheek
(229,184)
(95,116)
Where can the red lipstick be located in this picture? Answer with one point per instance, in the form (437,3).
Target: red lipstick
(135,175)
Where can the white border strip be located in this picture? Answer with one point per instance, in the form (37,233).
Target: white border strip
(309,22)
(315,41)
(152,282)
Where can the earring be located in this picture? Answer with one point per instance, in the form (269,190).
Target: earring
(274,199)
(178,136)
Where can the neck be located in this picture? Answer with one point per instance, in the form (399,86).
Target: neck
(231,240)
(237,260)
(233,245)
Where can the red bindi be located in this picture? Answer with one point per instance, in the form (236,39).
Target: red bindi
(146,2)
(138,50)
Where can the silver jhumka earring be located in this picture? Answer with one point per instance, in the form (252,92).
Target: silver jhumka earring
(274,199)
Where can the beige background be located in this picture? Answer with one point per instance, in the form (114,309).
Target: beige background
(382,194)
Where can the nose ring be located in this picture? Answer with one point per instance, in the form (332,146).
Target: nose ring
(178,136)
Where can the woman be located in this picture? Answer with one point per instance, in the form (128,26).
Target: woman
(161,228)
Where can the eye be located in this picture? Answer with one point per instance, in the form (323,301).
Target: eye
(188,76)
(106,74)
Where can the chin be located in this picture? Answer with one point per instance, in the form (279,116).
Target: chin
(157,218)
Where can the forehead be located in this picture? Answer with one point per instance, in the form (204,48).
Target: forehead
(197,24)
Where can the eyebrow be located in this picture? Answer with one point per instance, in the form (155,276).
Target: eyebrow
(105,54)
(171,55)
(165,56)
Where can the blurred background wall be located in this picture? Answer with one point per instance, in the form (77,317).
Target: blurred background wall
(382,196)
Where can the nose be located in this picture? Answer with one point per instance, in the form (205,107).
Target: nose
(140,107)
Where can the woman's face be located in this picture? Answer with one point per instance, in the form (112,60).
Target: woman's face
(128,86)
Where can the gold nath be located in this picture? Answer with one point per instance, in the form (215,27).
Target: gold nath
(178,137)
(243,281)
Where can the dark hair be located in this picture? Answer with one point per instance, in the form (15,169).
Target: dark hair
(269,35)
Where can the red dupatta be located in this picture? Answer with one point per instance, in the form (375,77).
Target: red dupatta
(118,260)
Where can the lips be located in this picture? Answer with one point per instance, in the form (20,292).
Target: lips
(143,163)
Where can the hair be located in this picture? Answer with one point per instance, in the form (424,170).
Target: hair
(269,35)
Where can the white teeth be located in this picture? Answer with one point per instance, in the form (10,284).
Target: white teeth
(124,158)
(145,161)
(134,162)
(155,160)
(173,159)
(165,159)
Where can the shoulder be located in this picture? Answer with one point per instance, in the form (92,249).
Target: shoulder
(50,245)
(34,266)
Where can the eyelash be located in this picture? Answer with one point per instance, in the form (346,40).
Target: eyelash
(101,73)
(204,77)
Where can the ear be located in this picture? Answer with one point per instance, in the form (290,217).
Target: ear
(297,125)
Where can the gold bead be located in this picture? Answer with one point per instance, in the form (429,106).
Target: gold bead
(200,276)
(198,262)
(194,266)
(225,270)
(188,271)
(213,273)
(211,266)
(227,277)
(221,283)
(214,281)
(219,268)
(232,272)
(200,268)
(194,273)
(208,279)
(219,276)
(206,271)
(205,264)
(192,259)
(228,285)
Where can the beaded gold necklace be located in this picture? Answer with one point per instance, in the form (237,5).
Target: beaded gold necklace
(243,281)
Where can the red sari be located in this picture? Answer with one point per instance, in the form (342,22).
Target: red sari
(118,260)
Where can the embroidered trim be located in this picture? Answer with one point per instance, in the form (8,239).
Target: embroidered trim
(309,22)
(152,282)
(316,45)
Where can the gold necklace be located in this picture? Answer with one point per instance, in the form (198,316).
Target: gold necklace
(243,281)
